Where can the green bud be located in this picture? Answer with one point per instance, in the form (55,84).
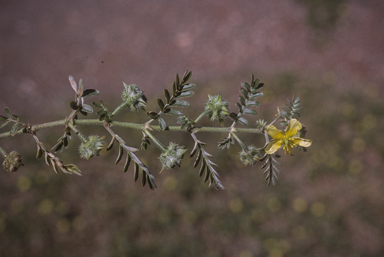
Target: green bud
(217,107)
(172,156)
(250,156)
(92,147)
(133,97)
(12,161)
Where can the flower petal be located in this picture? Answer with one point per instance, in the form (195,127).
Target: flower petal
(301,141)
(273,146)
(274,132)
(293,126)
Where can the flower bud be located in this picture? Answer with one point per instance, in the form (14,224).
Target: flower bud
(133,97)
(217,107)
(250,156)
(12,161)
(172,156)
(92,147)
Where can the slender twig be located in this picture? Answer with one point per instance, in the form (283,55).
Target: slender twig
(91,122)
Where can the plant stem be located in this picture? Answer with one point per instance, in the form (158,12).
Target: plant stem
(118,109)
(241,143)
(3,152)
(96,122)
(78,133)
(155,141)
(204,113)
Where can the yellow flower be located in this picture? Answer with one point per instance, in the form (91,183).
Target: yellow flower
(287,139)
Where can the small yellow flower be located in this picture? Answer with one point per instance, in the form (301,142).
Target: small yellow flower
(287,139)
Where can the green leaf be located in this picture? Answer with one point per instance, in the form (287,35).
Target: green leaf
(151,183)
(152,115)
(202,168)
(197,159)
(5,124)
(187,75)
(239,107)
(120,155)
(174,89)
(246,85)
(54,166)
(177,81)
(73,169)
(175,112)
(161,104)
(97,105)
(127,162)
(162,124)
(188,86)
(58,146)
(167,95)
(90,92)
(39,152)
(252,103)
(181,103)
(185,94)
(144,178)
(73,83)
(46,158)
(136,172)
(14,128)
(242,100)
(194,150)
(207,174)
(8,112)
(3,118)
(129,149)
(249,112)
(80,89)
(258,94)
(73,105)
(244,92)
(110,144)
(233,116)
(243,120)
(86,108)
(260,85)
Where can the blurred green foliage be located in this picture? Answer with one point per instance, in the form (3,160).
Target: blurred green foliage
(328,202)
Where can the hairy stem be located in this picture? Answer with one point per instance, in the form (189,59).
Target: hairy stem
(78,133)
(241,143)
(3,152)
(155,141)
(96,122)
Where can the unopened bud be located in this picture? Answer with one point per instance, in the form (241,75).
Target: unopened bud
(12,161)
(250,156)
(92,147)
(133,97)
(217,107)
(172,156)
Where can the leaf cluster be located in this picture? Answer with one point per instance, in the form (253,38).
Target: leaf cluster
(271,169)
(54,161)
(139,166)
(290,111)
(62,142)
(11,118)
(206,164)
(78,104)
(180,89)
(104,114)
(247,99)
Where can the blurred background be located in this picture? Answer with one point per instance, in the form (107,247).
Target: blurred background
(327,202)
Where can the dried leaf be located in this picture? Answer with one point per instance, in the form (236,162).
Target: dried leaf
(120,155)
